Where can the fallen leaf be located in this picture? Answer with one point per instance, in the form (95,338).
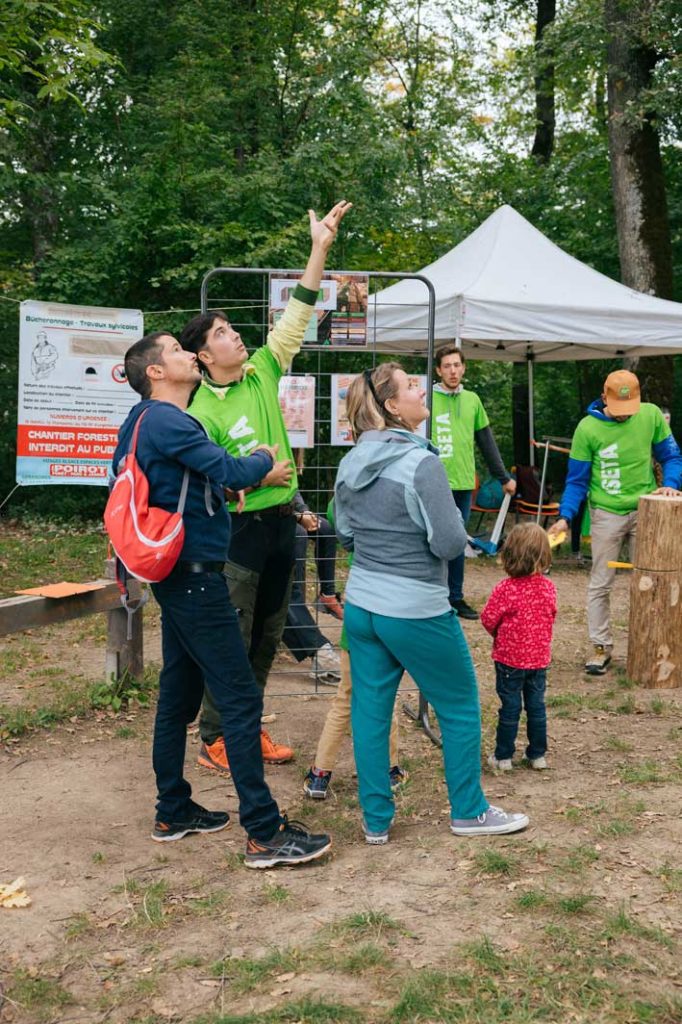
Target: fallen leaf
(13,895)
(287,976)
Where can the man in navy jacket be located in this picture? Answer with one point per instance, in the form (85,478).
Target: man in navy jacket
(200,635)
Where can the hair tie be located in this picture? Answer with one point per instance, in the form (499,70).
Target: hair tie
(368,377)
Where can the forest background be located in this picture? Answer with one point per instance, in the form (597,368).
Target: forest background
(143,142)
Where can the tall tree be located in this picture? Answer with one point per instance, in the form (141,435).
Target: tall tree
(639,190)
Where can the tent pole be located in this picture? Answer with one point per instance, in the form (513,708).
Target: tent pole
(531,407)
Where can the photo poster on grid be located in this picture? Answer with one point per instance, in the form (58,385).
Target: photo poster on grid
(339,319)
(341,433)
(297,402)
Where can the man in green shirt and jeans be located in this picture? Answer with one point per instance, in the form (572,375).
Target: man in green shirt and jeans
(457,420)
(238,404)
(611,464)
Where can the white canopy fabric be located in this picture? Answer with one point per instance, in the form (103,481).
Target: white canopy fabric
(506,292)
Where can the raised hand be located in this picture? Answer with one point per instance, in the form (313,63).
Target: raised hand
(323,232)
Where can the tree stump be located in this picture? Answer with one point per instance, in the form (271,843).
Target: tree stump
(655,632)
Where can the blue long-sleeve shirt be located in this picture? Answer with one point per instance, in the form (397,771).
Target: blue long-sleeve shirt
(171,441)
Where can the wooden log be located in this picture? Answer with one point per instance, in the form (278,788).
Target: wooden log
(25,612)
(659,533)
(655,631)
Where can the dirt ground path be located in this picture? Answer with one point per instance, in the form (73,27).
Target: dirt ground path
(121,929)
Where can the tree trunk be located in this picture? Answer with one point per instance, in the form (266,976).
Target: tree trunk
(543,144)
(637,178)
(655,631)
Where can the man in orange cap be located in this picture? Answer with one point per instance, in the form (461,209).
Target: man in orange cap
(611,464)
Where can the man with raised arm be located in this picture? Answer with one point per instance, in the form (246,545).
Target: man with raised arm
(201,640)
(238,404)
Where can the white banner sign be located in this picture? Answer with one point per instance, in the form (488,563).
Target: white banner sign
(73,394)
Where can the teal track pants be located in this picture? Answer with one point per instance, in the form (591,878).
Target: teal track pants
(435,653)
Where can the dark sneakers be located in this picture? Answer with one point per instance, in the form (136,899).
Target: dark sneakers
(198,819)
(464,610)
(291,844)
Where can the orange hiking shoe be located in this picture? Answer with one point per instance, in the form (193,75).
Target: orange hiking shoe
(214,755)
(331,603)
(274,753)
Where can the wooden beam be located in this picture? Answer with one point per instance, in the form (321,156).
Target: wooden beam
(25,612)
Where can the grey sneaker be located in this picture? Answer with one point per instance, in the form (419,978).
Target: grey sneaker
(538,763)
(598,661)
(504,765)
(376,838)
(326,666)
(494,821)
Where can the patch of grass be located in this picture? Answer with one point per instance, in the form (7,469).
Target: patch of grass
(657,706)
(628,707)
(273,893)
(121,693)
(365,958)
(616,743)
(148,901)
(580,857)
(531,899)
(366,922)
(641,774)
(124,732)
(622,923)
(615,828)
(671,877)
(77,925)
(44,996)
(302,1011)
(575,904)
(247,974)
(493,862)
(98,857)
(484,954)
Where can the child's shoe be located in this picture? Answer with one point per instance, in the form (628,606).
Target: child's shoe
(398,777)
(316,784)
(538,763)
(504,765)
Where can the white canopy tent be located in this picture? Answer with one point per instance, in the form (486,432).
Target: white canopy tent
(506,292)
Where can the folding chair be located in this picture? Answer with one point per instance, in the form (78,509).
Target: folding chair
(530,499)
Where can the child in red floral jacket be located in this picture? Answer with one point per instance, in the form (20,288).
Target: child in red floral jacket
(520,615)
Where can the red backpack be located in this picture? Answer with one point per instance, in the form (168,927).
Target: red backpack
(147,540)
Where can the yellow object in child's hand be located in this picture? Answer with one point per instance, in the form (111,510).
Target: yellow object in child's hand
(555,539)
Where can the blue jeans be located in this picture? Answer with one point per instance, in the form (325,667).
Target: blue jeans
(456,566)
(202,643)
(435,653)
(517,686)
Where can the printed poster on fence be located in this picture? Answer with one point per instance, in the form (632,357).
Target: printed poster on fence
(73,393)
(297,402)
(340,430)
(339,319)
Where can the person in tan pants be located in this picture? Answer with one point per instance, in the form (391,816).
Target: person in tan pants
(334,731)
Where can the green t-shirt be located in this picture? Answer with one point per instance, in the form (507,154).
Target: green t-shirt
(454,420)
(620,454)
(244,414)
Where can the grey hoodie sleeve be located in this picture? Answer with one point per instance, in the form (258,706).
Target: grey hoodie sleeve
(491,453)
(445,530)
(344,530)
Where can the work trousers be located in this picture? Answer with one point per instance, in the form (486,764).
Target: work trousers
(337,724)
(435,654)
(259,575)
(301,633)
(456,566)
(202,645)
(608,532)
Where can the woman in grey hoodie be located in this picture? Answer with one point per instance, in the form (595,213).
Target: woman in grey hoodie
(394,510)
